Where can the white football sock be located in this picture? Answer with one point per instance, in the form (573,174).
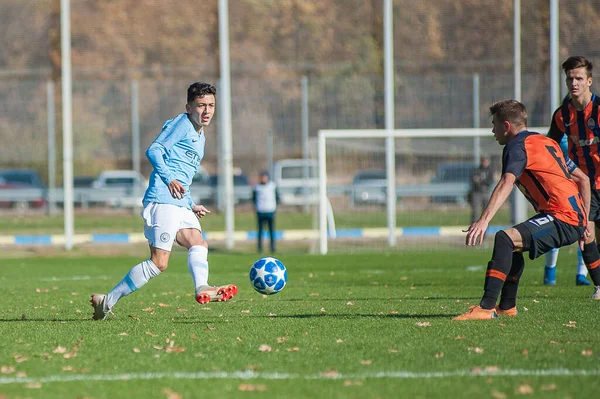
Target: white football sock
(137,277)
(581,269)
(198,265)
(551,258)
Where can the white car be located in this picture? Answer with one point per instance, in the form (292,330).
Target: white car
(122,188)
(297,181)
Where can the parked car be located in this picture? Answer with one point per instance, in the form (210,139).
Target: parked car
(122,188)
(201,191)
(453,172)
(369,187)
(242,190)
(83,181)
(297,181)
(27,189)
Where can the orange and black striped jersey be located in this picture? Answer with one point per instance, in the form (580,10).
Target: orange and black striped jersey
(583,133)
(544,176)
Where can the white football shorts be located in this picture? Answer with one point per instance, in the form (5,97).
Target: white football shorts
(163,221)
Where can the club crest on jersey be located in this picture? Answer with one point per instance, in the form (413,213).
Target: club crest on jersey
(591,123)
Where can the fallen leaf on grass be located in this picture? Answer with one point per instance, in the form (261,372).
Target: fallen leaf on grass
(150,309)
(587,352)
(134,317)
(251,388)
(549,387)
(294,349)
(392,351)
(366,362)
(314,294)
(459,337)
(272,315)
(59,349)
(524,390)
(42,290)
(136,350)
(171,394)
(151,334)
(476,350)
(498,395)
(281,340)
(246,311)
(164,305)
(322,309)
(349,303)
(123,334)
(439,355)
(70,355)
(7,369)
(264,348)
(175,349)
(524,352)
(339,340)
(20,358)
(423,324)
(331,374)
(34,385)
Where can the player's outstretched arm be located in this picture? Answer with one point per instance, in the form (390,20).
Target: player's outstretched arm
(476,231)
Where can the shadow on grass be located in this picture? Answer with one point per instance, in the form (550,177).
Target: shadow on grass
(325,315)
(40,319)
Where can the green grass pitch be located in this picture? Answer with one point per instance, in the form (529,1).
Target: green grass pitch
(346,326)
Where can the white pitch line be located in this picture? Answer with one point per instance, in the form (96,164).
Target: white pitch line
(251,375)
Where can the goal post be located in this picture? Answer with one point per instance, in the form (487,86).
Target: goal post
(349,162)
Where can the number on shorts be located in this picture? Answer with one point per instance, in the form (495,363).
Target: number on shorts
(542,220)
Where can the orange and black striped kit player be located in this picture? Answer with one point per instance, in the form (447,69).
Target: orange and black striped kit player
(556,188)
(583,133)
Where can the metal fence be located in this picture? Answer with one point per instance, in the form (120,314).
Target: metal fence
(439,46)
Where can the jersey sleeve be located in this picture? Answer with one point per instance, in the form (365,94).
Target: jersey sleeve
(555,133)
(515,158)
(159,150)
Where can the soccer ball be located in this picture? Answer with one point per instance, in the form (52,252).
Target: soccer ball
(268,275)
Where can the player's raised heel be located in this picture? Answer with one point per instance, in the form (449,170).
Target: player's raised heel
(507,312)
(207,293)
(596,294)
(581,280)
(477,313)
(101,310)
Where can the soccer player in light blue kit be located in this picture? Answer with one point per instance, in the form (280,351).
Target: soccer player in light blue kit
(169,213)
(552,256)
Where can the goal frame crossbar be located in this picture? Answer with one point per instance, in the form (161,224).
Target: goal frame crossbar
(325,134)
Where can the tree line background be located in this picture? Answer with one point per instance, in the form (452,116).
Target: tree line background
(336,44)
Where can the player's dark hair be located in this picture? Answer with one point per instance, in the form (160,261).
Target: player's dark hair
(510,110)
(199,89)
(578,61)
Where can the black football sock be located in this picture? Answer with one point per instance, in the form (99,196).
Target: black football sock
(508,299)
(497,270)
(591,257)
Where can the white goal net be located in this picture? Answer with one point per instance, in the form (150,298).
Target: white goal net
(430,175)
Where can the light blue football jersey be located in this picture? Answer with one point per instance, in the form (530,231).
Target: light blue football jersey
(175,155)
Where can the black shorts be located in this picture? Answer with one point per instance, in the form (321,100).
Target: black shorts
(595,207)
(542,232)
